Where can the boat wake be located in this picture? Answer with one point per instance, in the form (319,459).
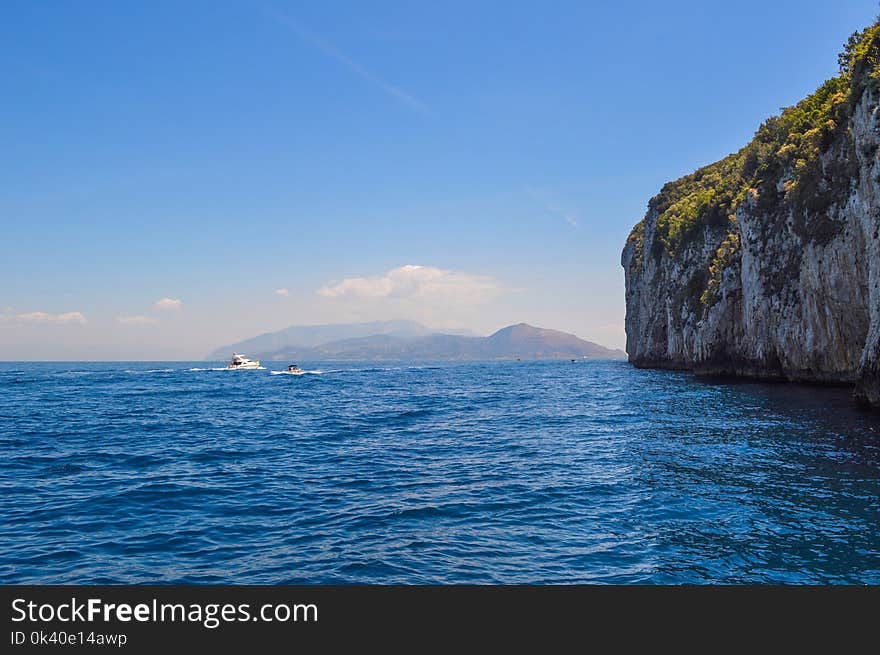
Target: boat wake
(226,368)
(152,370)
(315,372)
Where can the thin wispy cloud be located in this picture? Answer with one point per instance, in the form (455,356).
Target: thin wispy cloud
(168,304)
(67,318)
(568,215)
(357,68)
(414,282)
(137,320)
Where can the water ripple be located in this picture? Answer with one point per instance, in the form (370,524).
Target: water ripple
(512,472)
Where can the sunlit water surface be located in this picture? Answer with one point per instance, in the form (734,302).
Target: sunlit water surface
(509,472)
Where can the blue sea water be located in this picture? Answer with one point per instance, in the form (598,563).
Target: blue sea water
(496,472)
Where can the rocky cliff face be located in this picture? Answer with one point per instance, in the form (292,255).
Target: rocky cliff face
(767,263)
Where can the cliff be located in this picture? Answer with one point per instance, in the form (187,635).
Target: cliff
(767,263)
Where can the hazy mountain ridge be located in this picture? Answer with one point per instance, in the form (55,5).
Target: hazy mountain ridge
(309,336)
(516,341)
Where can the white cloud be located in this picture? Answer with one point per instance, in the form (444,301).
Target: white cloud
(168,304)
(282,292)
(137,320)
(414,282)
(45,317)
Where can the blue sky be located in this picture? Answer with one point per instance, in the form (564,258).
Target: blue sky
(466,164)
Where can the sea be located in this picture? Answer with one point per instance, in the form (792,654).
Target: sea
(419,473)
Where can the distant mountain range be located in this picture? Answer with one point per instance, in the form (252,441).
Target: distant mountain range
(310,336)
(408,340)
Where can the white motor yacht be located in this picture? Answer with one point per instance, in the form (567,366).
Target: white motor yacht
(240,361)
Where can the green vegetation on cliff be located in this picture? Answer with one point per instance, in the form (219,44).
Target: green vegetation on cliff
(723,256)
(781,169)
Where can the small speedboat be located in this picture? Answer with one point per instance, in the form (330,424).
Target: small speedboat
(293,368)
(242,362)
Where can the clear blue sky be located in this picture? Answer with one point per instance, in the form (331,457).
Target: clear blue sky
(214,153)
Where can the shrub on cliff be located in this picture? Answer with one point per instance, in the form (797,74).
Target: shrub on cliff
(781,167)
